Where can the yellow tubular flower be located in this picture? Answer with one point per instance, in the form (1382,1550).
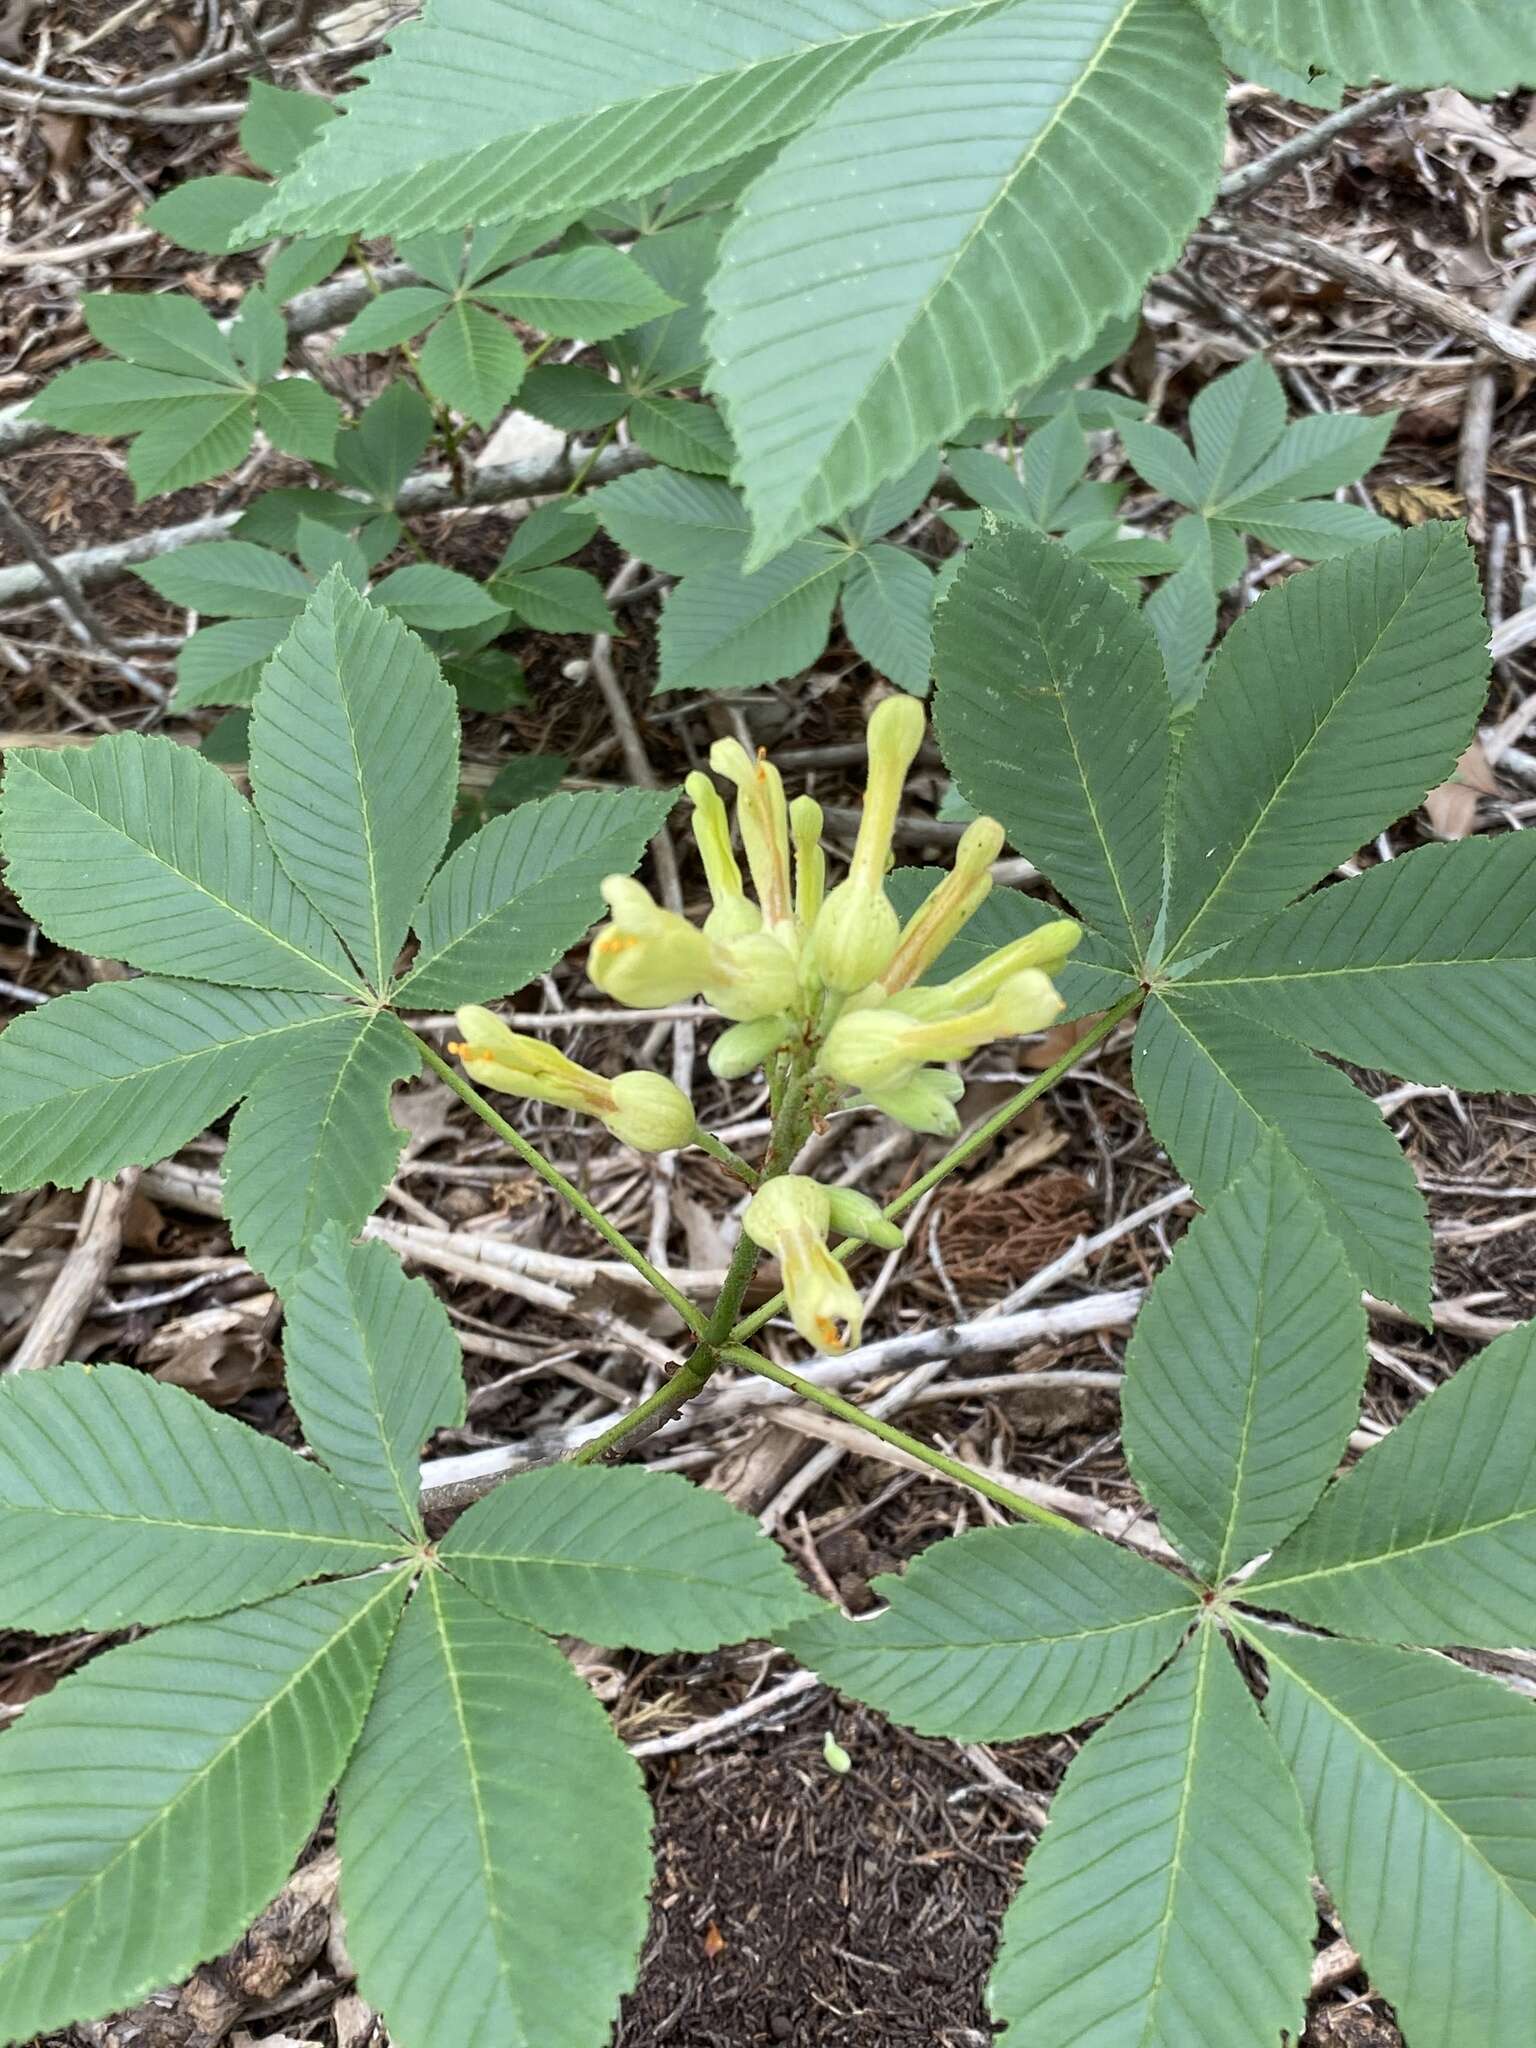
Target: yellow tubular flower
(650,1113)
(1045,949)
(924,1101)
(733,915)
(750,978)
(792,1217)
(855,1215)
(858,930)
(805,820)
(646,955)
(948,906)
(763,817)
(875,1048)
(746,1046)
(514,1064)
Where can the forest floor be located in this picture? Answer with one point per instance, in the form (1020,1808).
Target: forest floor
(794,1903)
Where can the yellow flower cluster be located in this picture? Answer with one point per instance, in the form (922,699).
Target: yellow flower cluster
(830,978)
(832,972)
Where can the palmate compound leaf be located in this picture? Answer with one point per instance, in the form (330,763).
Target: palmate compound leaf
(1003,1633)
(141,850)
(510,900)
(314,1140)
(1418,1779)
(493,1836)
(1243,1375)
(1167,1904)
(438,135)
(123,1073)
(372,1369)
(1424,966)
(1052,709)
(1431,1538)
(152,1803)
(1332,706)
(123,1501)
(625,1558)
(1482,46)
(1215,1084)
(354,757)
(946,232)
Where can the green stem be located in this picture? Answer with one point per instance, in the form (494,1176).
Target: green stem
(557,1180)
(938,1461)
(966,1146)
(586,468)
(695,1372)
(732,1161)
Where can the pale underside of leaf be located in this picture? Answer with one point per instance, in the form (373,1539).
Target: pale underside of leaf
(948,231)
(436,137)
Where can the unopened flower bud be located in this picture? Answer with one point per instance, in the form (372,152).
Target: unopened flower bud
(948,906)
(646,955)
(855,1215)
(805,823)
(751,977)
(895,733)
(856,933)
(514,1064)
(873,1048)
(748,1046)
(649,1112)
(1045,949)
(924,1101)
(792,1217)
(763,819)
(732,915)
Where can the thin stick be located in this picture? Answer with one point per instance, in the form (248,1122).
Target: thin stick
(609,1232)
(1264,170)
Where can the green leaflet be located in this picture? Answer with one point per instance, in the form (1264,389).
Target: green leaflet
(314,1142)
(888,613)
(373,1369)
(354,750)
(1244,1372)
(173,1782)
(723,630)
(125,1072)
(1424,966)
(1392,1747)
(125,1501)
(1167,1903)
(867,306)
(1053,714)
(627,1557)
(432,138)
(141,850)
(489,1781)
(1215,1083)
(1483,46)
(1004,1632)
(1431,1538)
(510,901)
(1332,705)
(677,523)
